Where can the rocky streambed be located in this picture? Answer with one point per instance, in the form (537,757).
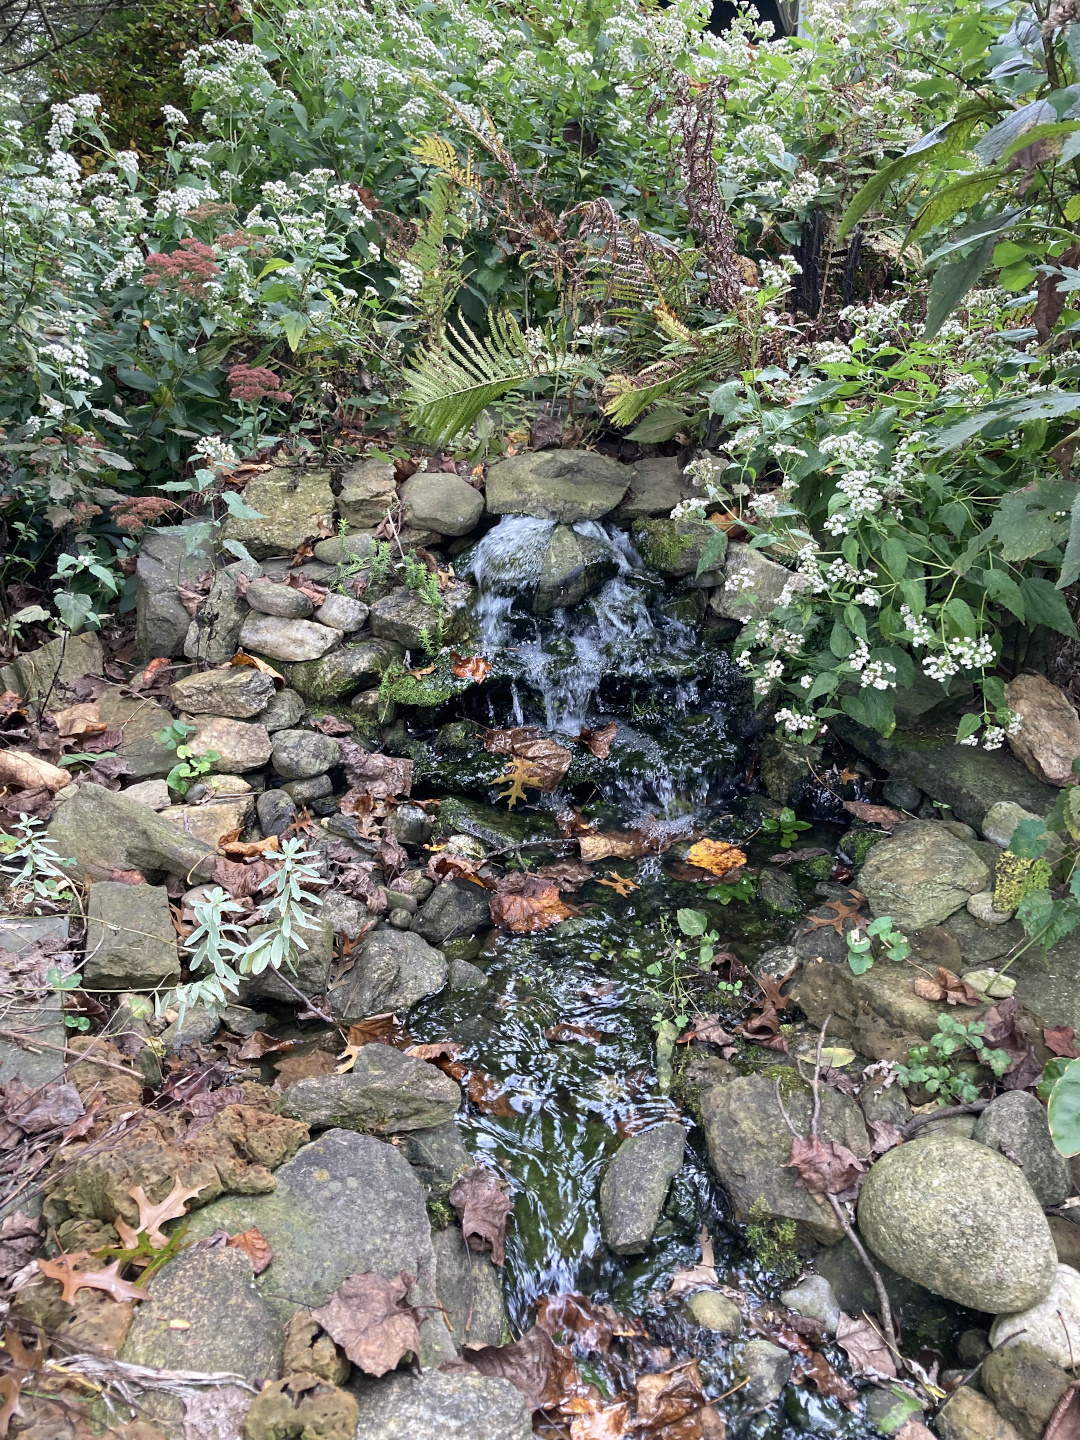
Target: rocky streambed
(511,1150)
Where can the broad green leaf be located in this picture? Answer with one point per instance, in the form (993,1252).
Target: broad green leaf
(1046,606)
(968,725)
(237,508)
(1027,521)
(659,426)
(1070,566)
(855,620)
(1007,415)
(955,515)
(872,708)
(1052,1072)
(715,549)
(894,554)
(1063,1110)
(1004,590)
(962,616)
(840,641)
(295,323)
(948,202)
(952,282)
(692,922)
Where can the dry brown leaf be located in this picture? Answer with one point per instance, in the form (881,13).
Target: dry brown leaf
(380,776)
(825,1167)
(525,904)
(368,1316)
(237,849)
(707,1028)
(874,814)
(1061,1040)
(568,875)
(444,866)
(598,742)
(255,664)
(945,986)
(535,1365)
(884,1136)
(151,1217)
(9,1389)
(301,1067)
(864,1347)
(260,1044)
(1064,1422)
(419,674)
(28,771)
(255,1246)
(73,1280)
(77,720)
(483,1207)
(470,667)
(716,856)
(669,1397)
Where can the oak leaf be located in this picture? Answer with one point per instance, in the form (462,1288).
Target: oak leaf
(527,904)
(825,1167)
(619,883)
(73,1280)
(10,1386)
(483,1207)
(152,1217)
(445,866)
(707,1028)
(716,856)
(368,1316)
(864,1347)
(611,1422)
(845,910)
(78,720)
(518,775)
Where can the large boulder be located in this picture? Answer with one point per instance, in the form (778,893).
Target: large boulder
(749,1145)
(368,491)
(384,1093)
(443,503)
(210,822)
(573,566)
(753,584)
(295,505)
(921,874)
(394,970)
(1051,1324)
(291,641)
(53,671)
(343,672)
(165,560)
(675,547)
(461,1405)
(635,1184)
(1048,738)
(130,939)
(960,1219)
(103,831)
(236,691)
(1015,1123)
(563,485)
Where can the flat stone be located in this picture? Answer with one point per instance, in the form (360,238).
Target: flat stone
(1048,738)
(563,485)
(767,1369)
(960,1219)
(784,764)
(713,1311)
(237,692)
(493,827)
(241,745)
(921,874)
(276,811)
(343,672)
(271,597)
(1016,1122)
(53,670)
(461,1405)
(140,721)
(312,973)
(572,567)
(470,1291)
(384,1093)
(368,491)
(635,1185)
(198,1027)
(102,830)
(342,612)
(456,907)
(903,794)
(1051,1324)
(300,754)
(814,1297)
(394,970)
(657,485)
(674,547)
(344,1205)
(749,1146)
(753,584)
(1001,820)
(284,710)
(296,504)
(287,640)
(778,891)
(130,939)
(315,787)
(1024,1386)
(153,793)
(211,821)
(444,503)
(164,561)
(34,1020)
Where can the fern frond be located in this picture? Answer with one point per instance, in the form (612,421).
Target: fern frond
(629,396)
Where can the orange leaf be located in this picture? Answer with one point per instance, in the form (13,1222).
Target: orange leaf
(73,1280)
(82,719)
(249,660)
(716,856)
(9,1389)
(526,903)
(255,1246)
(471,667)
(945,986)
(618,883)
(245,849)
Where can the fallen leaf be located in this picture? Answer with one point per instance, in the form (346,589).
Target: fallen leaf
(255,1246)
(700,1276)
(707,1028)
(239,879)
(619,883)
(874,814)
(52,1108)
(576,1317)
(915,1430)
(946,986)
(483,1207)
(565,1031)
(445,866)
(670,1396)
(419,674)
(598,742)
(315,593)
(618,845)
(884,1136)
(864,1347)
(237,849)
(825,1167)
(380,776)
(11,704)
(331,725)
(127,877)
(158,674)
(152,1217)
(392,857)
(18,768)
(10,1386)
(368,1316)
(613,1422)
(1064,1422)
(812,1368)
(567,874)
(260,1044)
(440,1050)
(304,551)
(518,776)
(385,1029)
(845,910)
(502,742)
(716,856)
(77,720)
(301,1067)
(527,904)
(545,760)
(252,662)
(471,667)
(1061,1040)
(73,1280)
(764,1029)
(529,1364)
(192,594)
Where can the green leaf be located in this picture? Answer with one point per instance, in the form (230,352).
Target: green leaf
(1063,1110)
(962,616)
(960,195)
(840,641)
(872,708)
(1027,521)
(855,620)
(1006,415)
(1052,1072)
(692,922)
(955,515)
(136,379)
(715,549)
(661,425)
(968,725)
(1003,590)
(952,282)
(237,508)
(1070,566)
(295,324)
(894,554)
(1046,605)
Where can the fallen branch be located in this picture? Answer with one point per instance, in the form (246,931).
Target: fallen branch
(975,1108)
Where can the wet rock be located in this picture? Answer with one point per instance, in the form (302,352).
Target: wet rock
(270,597)
(101,830)
(784,763)
(460,1405)
(753,584)
(241,745)
(372,711)
(889,1407)
(343,672)
(902,793)
(346,1204)
(406,619)
(1024,1386)
(395,970)
(444,503)
(470,1291)
(312,973)
(779,962)
(749,1147)
(1016,1122)
(350,918)
(767,1369)
(210,822)
(713,1311)
(152,793)
(130,939)
(687,607)
(920,875)
(814,1297)
(1001,820)
(673,547)
(879,1101)
(141,720)
(1048,739)
(464,976)
(1066,1240)
(342,612)
(960,1219)
(303,792)
(562,485)
(214,633)
(162,623)
(284,710)
(295,504)
(368,491)
(287,640)
(494,828)
(237,691)
(410,824)
(777,891)
(300,754)
(454,908)
(635,1184)
(657,485)
(385,1092)
(972,1347)
(573,566)
(276,811)
(967,1415)
(437,1155)
(1051,1324)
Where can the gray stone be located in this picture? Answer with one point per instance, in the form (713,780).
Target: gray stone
(342,612)
(437,1155)
(879,1101)
(372,711)
(1001,820)
(1024,1386)
(1016,1122)
(287,640)
(675,547)
(312,973)
(753,584)
(903,794)
(968,1415)
(767,1369)
(284,710)
(52,671)
(889,1407)
(214,633)
(454,908)
(749,1147)
(470,1291)
(981,908)
(344,1205)
(350,918)
(777,891)
(343,672)
(1052,1324)
(573,566)
(154,793)
(405,619)
(784,763)
(130,939)
(295,504)
(240,745)
(461,1405)
(635,1184)
(441,502)
(657,485)
(276,811)
(394,970)
(102,830)
(230,1327)
(779,962)
(493,827)
(563,485)
(31,1018)
(237,691)
(303,792)
(972,1347)
(162,623)
(464,976)
(300,754)
(960,1219)
(140,721)
(271,597)
(199,1025)
(814,1297)
(982,944)
(920,875)
(410,824)
(368,491)
(344,549)
(384,1093)
(713,1311)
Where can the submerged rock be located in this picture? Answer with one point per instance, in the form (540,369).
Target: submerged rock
(573,566)
(766,1369)
(456,907)
(921,874)
(635,1184)
(384,1093)
(460,1405)
(713,1311)
(563,485)
(1016,1123)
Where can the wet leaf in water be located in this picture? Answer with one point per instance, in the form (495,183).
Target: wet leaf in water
(368,1316)
(385,1029)
(568,875)
(671,1396)
(576,1317)
(470,667)
(620,845)
(518,776)
(565,1031)
(502,742)
(944,986)
(526,904)
(441,1050)
(260,1044)
(864,1347)
(874,814)
(702,1276)
(845,910)
(532,1365)
(825,1167)
(619,883)
(612,1422)
(707,1028)
(445,866)
(716,856)
(483,1206)
(255,1246)
(598,742)
(812,1368)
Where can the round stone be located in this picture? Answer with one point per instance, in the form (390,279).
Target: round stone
(981,908)
(713,1311)
(300,754)
(270,597)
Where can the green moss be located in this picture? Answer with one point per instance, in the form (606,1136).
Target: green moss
(661,544)
(438,1208)
(859,842)
(789,1078)
(1015,877)
(820,868)
(425,691)
(772,1241)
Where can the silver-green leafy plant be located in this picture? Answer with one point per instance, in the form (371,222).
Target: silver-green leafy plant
(860,947)
(33,868)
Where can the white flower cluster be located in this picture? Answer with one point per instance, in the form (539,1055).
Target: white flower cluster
(793,722)
(226,70)
(920,632)
(778,276)
(66,113)
(217,450)
(963,653)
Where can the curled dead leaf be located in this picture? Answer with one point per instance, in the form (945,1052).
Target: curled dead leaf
(874,814)
(470,667)
(528,904)
(864,1347)
(368,1316)
(107,1278)
(253,663)
(29,772)
(825,1167)
(598,742)
(480,1197)
(944,986)
(255,1246)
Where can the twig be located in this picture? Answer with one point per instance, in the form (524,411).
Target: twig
(975,1108)
(20,1038)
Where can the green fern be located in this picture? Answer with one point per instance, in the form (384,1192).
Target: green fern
(438,267)
(686,365)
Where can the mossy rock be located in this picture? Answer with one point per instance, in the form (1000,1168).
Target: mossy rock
(497,828)
(859,841)
(673,547)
